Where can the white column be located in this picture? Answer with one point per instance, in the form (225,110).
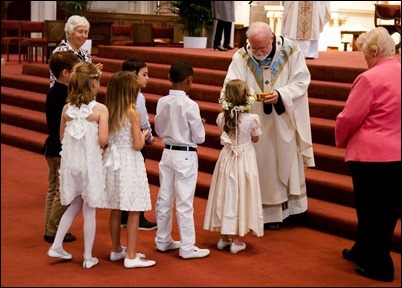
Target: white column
(275,16)
(49,10)
(43,10)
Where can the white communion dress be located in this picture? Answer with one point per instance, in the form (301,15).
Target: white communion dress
(127,185)
(81,167)
(234,201)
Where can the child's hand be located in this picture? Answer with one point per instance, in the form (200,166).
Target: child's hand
(150,142)
(145,133)
(99,66)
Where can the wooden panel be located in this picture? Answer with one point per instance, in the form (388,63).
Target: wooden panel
(100,32)
(129,19)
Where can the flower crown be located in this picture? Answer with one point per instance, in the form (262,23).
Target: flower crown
(251,97)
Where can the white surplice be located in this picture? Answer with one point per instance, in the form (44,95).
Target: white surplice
(285,146)
(303,21)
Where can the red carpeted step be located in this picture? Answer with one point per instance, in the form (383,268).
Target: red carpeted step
(334,73)
(331,187)
(324,108)
(329,90)
(161,71)
(323,131)
(26,82)
(340,220)
(24,118)
(220,61)
(22,138)
(331,159)
(36,69)
(23,98)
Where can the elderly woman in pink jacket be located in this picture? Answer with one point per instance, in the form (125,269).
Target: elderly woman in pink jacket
(369,127)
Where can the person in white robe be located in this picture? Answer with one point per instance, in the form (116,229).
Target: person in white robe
(275,66)
(303,21)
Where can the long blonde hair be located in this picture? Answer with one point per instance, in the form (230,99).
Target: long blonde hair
(80,88)
(121,96)
(236,93)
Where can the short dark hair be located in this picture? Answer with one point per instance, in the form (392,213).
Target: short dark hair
(133,65)
(180,70)
(62,60)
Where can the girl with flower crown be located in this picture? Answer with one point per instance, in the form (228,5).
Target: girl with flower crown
(234,202)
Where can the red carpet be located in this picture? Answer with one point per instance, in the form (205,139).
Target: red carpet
(297,255)
(291,257)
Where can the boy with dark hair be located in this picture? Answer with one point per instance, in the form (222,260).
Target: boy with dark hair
(179,124)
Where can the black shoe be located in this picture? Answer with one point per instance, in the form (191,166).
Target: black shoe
(272,226)
(363,272)
(228,47)
(68,238)
(147,225)
(349,255)
(220,48)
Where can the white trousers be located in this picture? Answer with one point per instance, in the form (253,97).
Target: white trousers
(178,172)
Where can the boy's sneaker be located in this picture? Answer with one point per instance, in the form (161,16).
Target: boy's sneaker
(196,253)
(147,225)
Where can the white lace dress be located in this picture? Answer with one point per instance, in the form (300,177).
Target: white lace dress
(81,167)
(127,185)
(234,200)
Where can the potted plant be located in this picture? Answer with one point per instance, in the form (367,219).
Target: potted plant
(194,17)
(73,7)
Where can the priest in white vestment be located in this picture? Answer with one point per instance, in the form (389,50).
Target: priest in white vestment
(271,63)
(303,21)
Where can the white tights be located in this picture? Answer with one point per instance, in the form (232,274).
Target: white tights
(72,211)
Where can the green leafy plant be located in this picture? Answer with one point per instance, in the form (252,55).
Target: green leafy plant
(74,7)
(194,16)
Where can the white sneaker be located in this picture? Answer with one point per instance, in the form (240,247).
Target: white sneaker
(59,253)
(222,244)
(89,263)
(116,256)
(139,262)
(172,246)
(234,248)
(197,253)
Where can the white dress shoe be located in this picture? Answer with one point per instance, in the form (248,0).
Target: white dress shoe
(116,256)
(172,246)
(234,248)
(197,253)
(222,244)
(59,253)
(89,263)
(139,262)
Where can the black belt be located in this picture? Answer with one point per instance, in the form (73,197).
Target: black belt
(181,148)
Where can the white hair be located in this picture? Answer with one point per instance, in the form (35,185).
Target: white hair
(73,22)
(259,29)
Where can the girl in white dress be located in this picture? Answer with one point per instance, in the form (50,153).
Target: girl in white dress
(234,201)
(84,133)
(127,185)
